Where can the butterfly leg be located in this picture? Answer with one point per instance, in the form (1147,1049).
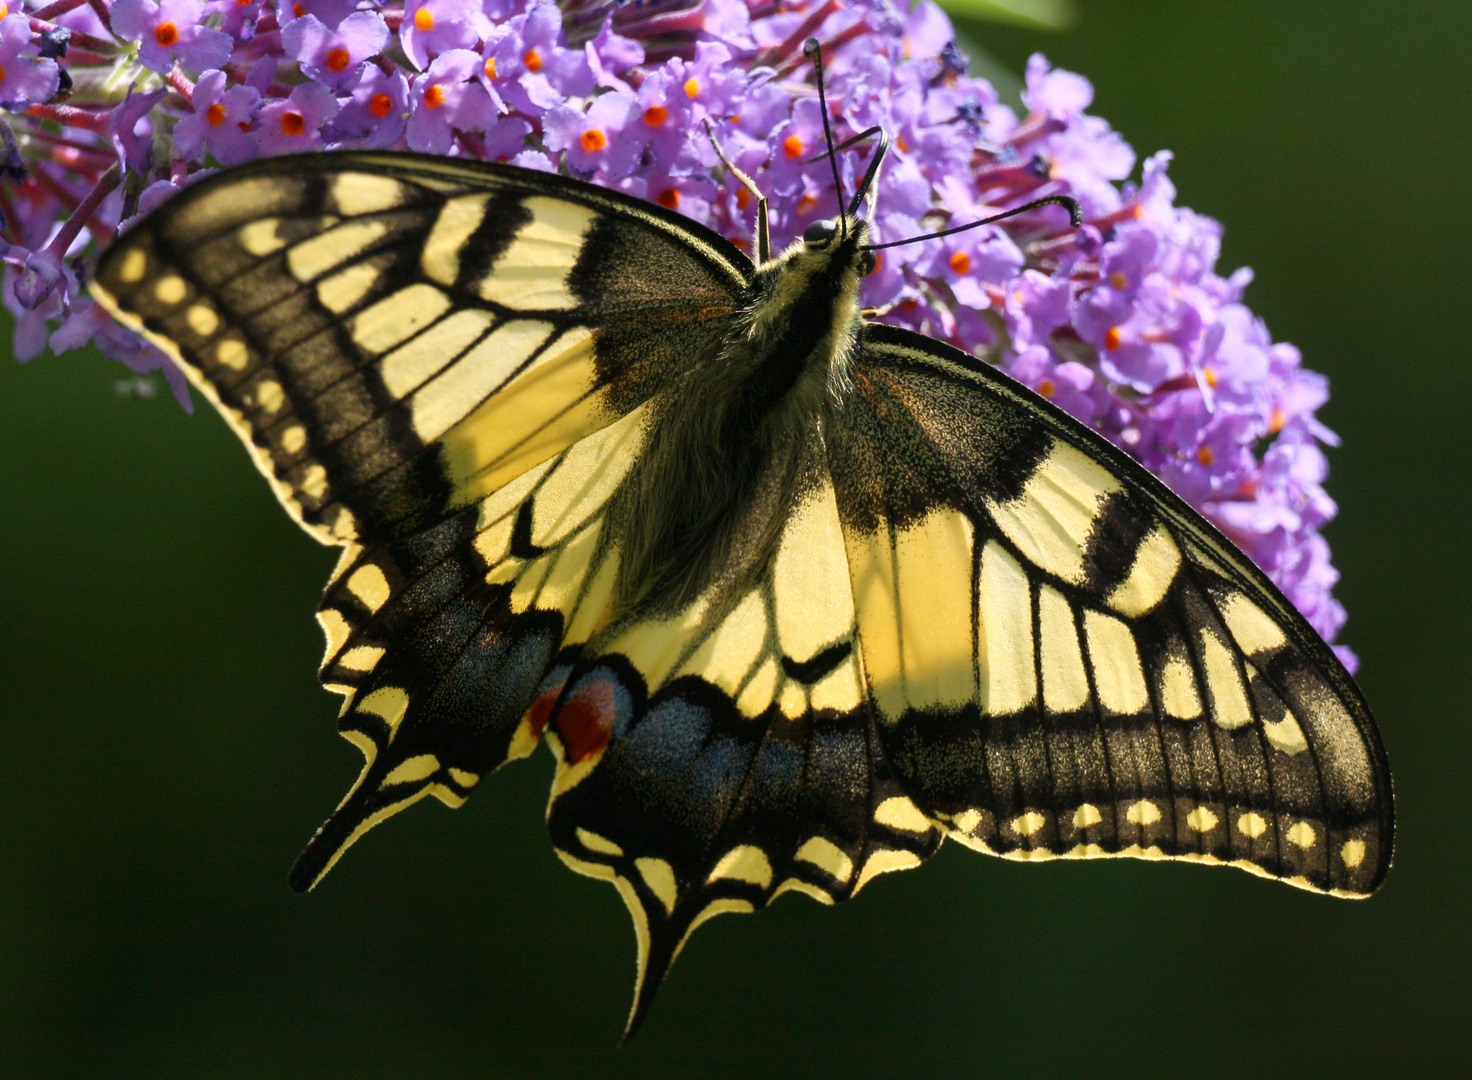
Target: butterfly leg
(763,233)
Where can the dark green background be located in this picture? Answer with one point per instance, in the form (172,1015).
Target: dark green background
(167,748)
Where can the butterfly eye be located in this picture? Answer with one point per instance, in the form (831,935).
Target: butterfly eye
(819,233)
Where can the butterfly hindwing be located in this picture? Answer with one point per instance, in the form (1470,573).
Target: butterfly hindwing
(713,758)
(396,336)
(1066,661)
(440,641)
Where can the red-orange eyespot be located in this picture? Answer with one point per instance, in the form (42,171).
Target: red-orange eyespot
(166,34)
(434,97)
(532,61)
(337,60)
(593,140)
(792,146)
(1113,339)
(423,20)
(960,262)
(669,198)
(656,115)
(293,123)
(380,105)
(215,114)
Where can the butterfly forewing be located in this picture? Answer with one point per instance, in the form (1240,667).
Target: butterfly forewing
(395,337)
(1065,661)
(440,365)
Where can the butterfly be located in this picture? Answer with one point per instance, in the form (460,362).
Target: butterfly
(792,595)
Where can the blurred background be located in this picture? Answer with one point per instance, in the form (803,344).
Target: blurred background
(168,749)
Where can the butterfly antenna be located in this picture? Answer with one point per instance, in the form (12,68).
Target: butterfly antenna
(870,173)
(1075,217)
(814,52)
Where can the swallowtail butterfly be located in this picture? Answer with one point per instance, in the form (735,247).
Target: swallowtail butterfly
(791,595)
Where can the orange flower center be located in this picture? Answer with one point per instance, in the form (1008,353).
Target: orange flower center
(1046,388)
(900,142)
(669,198)
(1276,421)
(1209,374)
(806,204)
(298,10)
(1113,339)
(792,146)
(960,262)
(532,61)
(215,114)
(166,34)
(1205,456)
(434,97)
(490,67)
(380,105)
(1118,280)
(743,198)
(423,19)
(337,60)
(656,115)
(692,87)
(593,140)
(293,123)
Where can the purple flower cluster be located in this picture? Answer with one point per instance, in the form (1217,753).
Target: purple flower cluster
(1124,322)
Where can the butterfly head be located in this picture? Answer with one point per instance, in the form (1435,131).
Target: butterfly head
(850,234)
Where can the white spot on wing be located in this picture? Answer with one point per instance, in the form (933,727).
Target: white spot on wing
(369,585)
(531,275)
(1028,823)
(1051,520)
(1118,677)
(1156,561)
(1229,706)
(744,863)
(412,770)
(827,857)
(1065,684)
(1254,631)
(900,813)
(1004,647)
(1143,812)
(1201,819)
(660,877)
(313,257)
(810,582)
(447,398)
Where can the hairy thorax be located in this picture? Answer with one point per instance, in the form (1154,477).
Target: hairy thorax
(732,447)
